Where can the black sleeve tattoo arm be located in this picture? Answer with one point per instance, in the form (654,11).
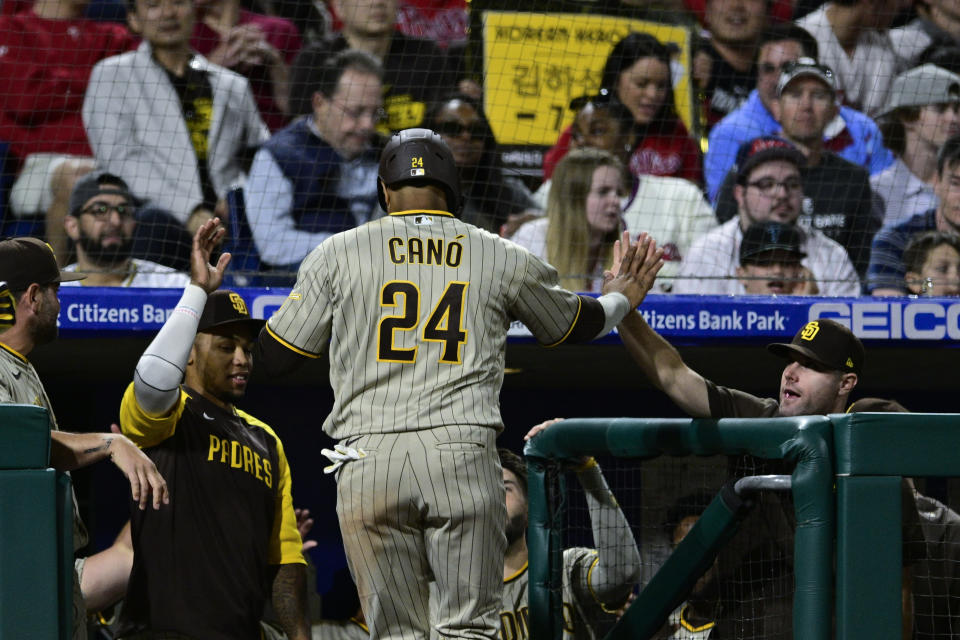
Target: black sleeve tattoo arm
(290,600)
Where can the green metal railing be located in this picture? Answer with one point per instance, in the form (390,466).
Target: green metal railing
(805,441)
(847,479)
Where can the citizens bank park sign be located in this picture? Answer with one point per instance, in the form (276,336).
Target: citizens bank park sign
(88,312)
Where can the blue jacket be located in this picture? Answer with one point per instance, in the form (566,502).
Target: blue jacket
(886,270)
(752,119)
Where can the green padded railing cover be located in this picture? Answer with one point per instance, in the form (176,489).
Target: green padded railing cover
(24,437)
(805,440)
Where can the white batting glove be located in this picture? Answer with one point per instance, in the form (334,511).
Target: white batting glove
(340,455)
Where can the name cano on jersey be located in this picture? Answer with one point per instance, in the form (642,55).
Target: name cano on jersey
(438,252)
(240,456)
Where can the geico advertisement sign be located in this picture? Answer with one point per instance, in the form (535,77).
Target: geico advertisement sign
(920,320)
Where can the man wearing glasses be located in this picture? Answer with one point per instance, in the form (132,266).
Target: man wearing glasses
(839,201)
(851,135)
(768,187)
(101,223)
(318,176)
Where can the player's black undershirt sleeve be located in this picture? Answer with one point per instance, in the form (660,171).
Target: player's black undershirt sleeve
(588,323)
(273,358)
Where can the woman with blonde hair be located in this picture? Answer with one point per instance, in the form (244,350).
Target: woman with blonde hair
(583,218)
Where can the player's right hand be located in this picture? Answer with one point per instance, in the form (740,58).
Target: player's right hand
(540,427)
(145,479)
(635,267)
(205,241)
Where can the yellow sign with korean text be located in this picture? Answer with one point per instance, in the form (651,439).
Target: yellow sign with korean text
(535,63)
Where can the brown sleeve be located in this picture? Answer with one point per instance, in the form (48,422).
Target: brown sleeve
(588,323)
(732,403)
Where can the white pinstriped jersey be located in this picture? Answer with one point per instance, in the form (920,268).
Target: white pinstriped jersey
(339,630)
(416,307)
(583,615)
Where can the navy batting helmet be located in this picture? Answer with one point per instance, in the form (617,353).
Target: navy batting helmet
(419,156)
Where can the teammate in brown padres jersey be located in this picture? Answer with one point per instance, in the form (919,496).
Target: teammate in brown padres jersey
(33,279)
(824,362)
(596,582)
(415,307)
(204,566)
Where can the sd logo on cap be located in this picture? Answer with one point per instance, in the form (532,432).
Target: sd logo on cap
(825,342)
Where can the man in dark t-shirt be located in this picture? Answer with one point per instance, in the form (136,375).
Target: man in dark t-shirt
(415,71)
(735,27)
(837,196)
(824,363)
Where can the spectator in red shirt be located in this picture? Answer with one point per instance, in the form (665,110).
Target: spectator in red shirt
(46,55)
(637,71)
(257,46)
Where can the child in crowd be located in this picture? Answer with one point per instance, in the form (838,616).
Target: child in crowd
(932,260)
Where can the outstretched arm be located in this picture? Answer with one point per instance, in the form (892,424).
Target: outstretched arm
(618,559)
(156,381)
(74,450)
(617,566)
(664,367)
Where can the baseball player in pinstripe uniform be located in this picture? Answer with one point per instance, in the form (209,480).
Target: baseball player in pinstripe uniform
(416,307)
(33,279)
(596,582)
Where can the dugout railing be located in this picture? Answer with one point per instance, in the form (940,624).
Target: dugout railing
(846,486)
(36,530)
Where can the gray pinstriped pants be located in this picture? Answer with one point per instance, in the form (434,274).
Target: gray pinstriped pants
(426,505)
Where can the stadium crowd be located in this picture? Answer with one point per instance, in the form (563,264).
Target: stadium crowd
(143,138)
(271,115)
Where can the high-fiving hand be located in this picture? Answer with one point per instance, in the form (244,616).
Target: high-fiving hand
(634,269)
(205,241)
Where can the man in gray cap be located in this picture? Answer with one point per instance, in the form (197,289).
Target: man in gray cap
(837,197)
(922,112)
(101,222)
(887,271)
(30,269)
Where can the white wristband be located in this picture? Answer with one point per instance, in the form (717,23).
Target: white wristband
(615,308)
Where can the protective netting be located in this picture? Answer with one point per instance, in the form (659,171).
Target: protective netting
(769,147)
(748,591)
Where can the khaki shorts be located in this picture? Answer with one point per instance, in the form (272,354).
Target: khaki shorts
(31,193)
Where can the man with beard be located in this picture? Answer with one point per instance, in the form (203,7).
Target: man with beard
(596,582)
(101,222)
(30,269)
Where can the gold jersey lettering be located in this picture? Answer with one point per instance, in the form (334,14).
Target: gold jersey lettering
(240,456)
(436,252)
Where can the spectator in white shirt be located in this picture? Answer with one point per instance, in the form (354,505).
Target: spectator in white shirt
(853,40)
(101,222)
(769,187)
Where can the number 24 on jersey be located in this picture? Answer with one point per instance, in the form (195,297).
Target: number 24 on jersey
(443,325)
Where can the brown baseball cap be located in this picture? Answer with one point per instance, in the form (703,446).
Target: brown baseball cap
(226,308)
(826,342)
(25,261)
